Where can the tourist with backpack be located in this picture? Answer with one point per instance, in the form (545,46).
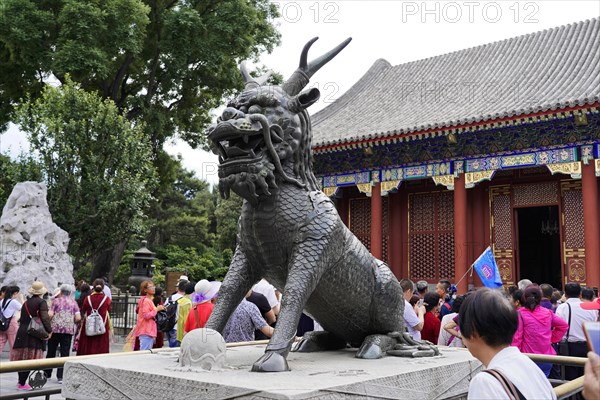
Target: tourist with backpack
(94,333)
(9,323)
(172,311)
(146,329)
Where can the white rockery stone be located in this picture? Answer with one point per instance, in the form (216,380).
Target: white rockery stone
(31,245)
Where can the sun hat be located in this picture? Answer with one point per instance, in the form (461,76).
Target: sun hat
(182,278)
(37,288)
(215,286)
(591,305)
(201,291)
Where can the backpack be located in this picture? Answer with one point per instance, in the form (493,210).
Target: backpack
(4,322)
(94,324)
(165,319)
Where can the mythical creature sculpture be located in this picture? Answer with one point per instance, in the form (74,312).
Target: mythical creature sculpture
(290,232)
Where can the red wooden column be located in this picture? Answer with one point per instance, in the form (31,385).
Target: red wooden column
(376,222)
(342,206)
(460,232)
(395,243)
(591,231)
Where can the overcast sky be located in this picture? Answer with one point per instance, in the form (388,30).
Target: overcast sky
(398,31)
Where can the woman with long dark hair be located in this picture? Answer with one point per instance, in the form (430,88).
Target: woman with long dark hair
(28,347)
(538,327)
(98,344)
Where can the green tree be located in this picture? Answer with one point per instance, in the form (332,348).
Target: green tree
(97,166)
(227,215)
(184,213)
(164,62)
(24,168)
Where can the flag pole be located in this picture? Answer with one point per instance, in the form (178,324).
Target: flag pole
(463,277)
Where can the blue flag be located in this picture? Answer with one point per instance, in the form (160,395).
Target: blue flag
(487,269)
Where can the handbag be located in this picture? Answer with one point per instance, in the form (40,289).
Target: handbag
(35,327)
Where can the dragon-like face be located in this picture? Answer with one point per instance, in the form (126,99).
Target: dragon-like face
(256,137)
(263,136)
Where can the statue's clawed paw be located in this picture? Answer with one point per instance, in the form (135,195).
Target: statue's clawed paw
(409,347)
(271,362)
(375,346)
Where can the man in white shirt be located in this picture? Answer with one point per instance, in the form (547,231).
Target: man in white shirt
(487,324)
(106,290)
(575,316)
(414,318)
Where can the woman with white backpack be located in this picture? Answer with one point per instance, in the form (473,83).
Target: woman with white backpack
(94,336)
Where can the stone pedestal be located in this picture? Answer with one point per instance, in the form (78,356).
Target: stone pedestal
(325,375)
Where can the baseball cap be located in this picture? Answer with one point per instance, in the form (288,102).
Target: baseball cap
(592,305)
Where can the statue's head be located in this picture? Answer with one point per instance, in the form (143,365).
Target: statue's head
(263,137)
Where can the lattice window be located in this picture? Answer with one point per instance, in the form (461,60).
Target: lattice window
(360,222)
(573,211)
(446,211)
(421,215)
(422,256)
(446,251)
(502,222)
(360,216)
(532,194)
(431,235)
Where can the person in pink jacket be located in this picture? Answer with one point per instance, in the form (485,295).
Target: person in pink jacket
(145,328)
(538,327)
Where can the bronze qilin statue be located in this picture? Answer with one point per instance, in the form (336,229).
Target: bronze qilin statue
(290,232)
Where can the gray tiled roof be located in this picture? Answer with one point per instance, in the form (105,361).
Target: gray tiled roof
(552,69)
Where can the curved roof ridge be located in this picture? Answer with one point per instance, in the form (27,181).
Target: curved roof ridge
(378,67)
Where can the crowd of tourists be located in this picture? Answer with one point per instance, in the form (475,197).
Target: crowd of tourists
(496,326)
(499,326)
(77,320)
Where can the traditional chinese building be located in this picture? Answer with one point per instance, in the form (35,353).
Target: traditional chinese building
(431,161)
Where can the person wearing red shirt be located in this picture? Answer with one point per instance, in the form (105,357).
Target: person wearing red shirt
(431,327)
(204,292)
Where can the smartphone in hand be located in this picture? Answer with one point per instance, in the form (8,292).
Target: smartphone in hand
(592,333)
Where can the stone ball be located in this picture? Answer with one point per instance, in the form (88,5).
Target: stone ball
(202,348)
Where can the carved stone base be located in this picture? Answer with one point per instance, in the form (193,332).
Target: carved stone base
(324,375)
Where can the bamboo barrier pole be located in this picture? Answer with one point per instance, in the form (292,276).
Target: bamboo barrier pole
(562,360)
(569,388)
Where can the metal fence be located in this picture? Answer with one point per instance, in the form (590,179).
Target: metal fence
(123,313)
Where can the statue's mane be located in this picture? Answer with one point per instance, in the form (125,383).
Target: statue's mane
(303,158)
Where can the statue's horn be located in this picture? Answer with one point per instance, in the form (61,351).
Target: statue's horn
(250,81)
(301,76)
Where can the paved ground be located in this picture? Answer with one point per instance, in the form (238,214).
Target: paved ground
(8,382)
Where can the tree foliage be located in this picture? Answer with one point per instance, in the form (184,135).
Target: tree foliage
(96,163)
(184,214)
(24,168)
(227,215)
(164,62)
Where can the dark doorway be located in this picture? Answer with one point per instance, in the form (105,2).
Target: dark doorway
(539,245)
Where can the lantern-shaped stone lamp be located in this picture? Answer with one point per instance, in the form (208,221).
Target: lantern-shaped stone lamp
(141,266)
